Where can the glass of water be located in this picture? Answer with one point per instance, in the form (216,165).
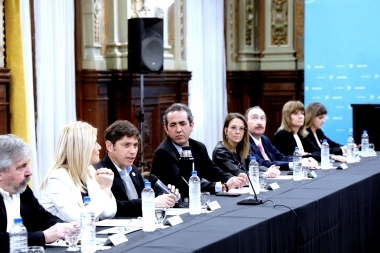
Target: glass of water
(160,213)
(262,180)
(371,149)
(305,170)
(72,239)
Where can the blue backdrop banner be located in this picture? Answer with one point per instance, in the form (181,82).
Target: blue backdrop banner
(342,59)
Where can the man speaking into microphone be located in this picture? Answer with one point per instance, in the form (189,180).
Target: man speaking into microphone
(122,142)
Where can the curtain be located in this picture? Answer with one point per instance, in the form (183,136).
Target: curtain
(19,60)
(205,54)
(55,74)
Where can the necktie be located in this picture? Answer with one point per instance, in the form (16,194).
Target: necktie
(262,151)
(129,187)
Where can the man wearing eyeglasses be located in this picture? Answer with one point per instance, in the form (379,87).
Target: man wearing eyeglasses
(261,147)
(178,124)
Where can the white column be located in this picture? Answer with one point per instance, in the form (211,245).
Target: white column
(279,47)
(91,35)
(111,16)
(124,11)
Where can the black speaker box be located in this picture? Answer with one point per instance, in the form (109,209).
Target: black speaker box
(145,45)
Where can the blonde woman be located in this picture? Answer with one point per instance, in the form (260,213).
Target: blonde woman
(72,176)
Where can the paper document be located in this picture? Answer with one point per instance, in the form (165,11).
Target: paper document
(119,223)
(176,211)
(115,230)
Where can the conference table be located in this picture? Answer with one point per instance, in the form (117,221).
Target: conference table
(338,211)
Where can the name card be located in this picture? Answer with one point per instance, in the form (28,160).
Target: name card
(273,186)
(118,238)
(213,205)
(312,174)
(342,166)
(173,220)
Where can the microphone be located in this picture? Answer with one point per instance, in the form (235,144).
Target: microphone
(249,200)
(153,179)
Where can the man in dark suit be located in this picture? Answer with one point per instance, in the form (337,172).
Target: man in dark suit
(261,147)
(178,124)
(17,199)
(122,142)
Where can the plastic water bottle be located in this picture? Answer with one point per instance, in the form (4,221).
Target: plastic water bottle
(365,142)
(148,209)
(18,237)
(351,150)
(253,173)
(325,155)
(194,193)
(297,165)
(87,227)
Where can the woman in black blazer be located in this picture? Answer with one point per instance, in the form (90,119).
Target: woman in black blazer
(315,118)
(292,132)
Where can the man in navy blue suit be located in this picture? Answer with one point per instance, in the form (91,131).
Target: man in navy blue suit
(261,147)
(122,143)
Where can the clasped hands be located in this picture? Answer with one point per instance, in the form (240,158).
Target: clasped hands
(168,200)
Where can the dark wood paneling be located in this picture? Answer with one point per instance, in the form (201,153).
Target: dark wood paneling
(4,101)
(268,89)
(106,96)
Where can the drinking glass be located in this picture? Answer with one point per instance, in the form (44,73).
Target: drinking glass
(72,239)
(204,199)
(160,213)
(371,149)
(306,170)
(36,249)
(262,180)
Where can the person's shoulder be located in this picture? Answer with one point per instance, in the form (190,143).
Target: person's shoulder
(194,143)
(59,173)
(165,143)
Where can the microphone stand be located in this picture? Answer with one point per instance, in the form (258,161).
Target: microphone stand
(250,200)
(141,118)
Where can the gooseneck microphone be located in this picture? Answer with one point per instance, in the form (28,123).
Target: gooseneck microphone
(249,200)
(153,179)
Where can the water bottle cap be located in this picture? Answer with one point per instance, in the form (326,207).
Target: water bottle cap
(86,199)
(253,158)
(147,184)
(296,148)
(364,131)
(324,140)
(17,220)
(194,173)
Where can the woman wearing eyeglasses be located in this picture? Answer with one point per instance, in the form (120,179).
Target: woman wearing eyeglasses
(231,154)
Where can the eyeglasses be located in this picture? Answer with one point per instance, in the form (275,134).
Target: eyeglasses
(257,118)
(235,128)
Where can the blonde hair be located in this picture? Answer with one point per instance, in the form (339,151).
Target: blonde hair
(243,146)
(73,152)
(286,120)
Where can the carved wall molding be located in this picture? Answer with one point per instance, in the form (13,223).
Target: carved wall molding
(279,22)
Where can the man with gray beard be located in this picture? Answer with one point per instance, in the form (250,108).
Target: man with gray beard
(17,199)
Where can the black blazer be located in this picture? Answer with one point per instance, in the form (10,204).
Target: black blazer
(285,143)
(229,161)
(166,167)
(316,150)
(275,157)
(34,217)
(125,207)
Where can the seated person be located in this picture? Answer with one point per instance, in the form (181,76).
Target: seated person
(17,199)
(261,147)
(315,118)
(178,124)
(72,177)
(122,143)
(292,132)
(232,154)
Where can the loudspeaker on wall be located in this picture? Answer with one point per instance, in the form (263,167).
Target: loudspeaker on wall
(145,45)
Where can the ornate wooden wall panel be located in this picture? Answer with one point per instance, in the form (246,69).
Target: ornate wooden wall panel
(4,101)
(268,89)
(106,96)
